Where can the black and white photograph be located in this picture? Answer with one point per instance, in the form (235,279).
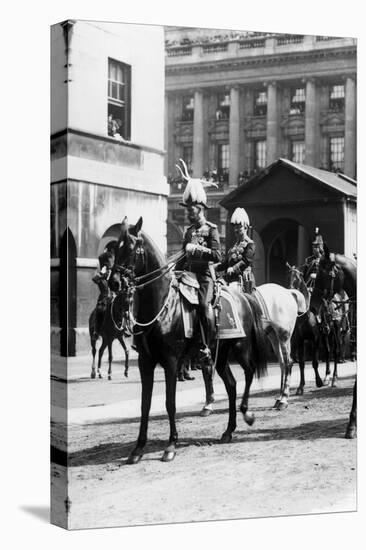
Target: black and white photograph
(203,274)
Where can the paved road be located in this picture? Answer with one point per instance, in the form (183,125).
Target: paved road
(96,400)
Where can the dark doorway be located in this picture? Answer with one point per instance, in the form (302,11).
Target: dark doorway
(282,240)
(68,294)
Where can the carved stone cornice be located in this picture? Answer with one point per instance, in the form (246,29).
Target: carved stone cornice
(332,121)
(293,125)
(218,129)
(255,126)
(262,60)
(183,128)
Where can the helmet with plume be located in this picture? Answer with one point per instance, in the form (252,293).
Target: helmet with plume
(194,193)
(318,239)
(240,217)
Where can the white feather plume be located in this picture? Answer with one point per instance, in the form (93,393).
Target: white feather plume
(194,192)
(240,217)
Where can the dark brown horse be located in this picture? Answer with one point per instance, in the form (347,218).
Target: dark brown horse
(306,330)
(160,339)
(112,326)
(337,273)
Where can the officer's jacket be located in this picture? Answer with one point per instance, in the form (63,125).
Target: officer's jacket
(240,256)
(207,240)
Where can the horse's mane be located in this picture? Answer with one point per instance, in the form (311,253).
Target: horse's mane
(154,252)
(349,267)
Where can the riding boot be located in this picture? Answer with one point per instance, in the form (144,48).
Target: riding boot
(205,356)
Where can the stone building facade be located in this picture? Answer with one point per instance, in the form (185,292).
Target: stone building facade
(235,102)
(107,157)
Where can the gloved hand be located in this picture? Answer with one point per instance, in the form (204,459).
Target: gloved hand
(190,248)
(230,271)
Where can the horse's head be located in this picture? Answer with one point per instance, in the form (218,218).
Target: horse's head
(131,253)
(330,277)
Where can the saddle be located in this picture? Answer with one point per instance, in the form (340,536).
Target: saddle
(227,318)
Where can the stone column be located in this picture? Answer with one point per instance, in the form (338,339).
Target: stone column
(198,135)
(310,123)
(234,129)
(272,122)
(350,128)
(169,135)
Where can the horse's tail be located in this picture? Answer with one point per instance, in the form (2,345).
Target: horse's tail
(302,303)
(259,341)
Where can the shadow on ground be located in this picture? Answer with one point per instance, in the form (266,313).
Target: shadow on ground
(111,452)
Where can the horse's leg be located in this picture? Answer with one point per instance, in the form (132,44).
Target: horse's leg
(100,355)
(227,377)
(110,359)
(94,351)
(146,368)
(351,431)
(208,375)
(318,380)
(244,405)
(327,360)
(336,348)
(127,353)
(272,336)
(286,354)
(170,369)
(180,368)
(301,357)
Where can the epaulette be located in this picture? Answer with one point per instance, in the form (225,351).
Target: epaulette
(248,240)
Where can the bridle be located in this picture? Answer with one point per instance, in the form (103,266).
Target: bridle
(139,282)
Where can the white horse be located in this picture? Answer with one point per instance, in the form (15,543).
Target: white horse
(281,307)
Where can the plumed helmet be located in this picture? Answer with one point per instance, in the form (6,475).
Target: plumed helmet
(240,217)
(318,239)
(194,193)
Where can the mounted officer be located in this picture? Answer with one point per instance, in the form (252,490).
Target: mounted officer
(201,243)
(105,284)
(311,266)
(239,259)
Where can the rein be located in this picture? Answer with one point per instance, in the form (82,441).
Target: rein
(162,270)
(121,328)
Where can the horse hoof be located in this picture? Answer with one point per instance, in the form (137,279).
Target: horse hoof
(205,412)
(92,376)
(326,382)
(275,406)
(226,438)
(300,391)
(168,455)
(109,377)
(282,406)
(134,458)
(249,418)
(351,433)
(319,384)
(100,376)
(334,385)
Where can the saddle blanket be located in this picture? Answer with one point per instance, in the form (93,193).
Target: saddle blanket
(230,325)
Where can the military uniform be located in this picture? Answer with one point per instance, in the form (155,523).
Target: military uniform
(102,279)
(240,258)
(205,237)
